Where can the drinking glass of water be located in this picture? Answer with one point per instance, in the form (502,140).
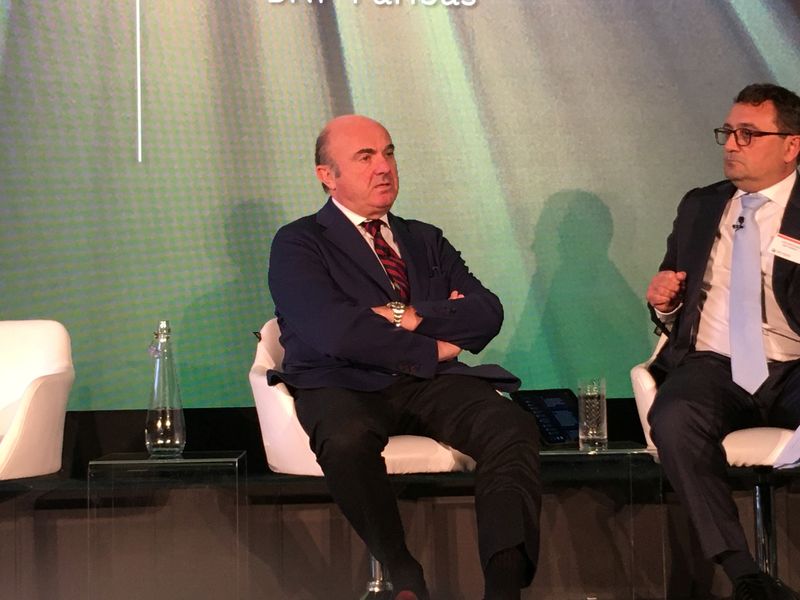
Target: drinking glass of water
(592,417)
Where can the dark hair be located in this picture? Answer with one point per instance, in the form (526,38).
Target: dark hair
(321,150)
(321,154)
(787,103)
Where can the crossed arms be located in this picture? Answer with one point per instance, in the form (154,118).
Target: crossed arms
(338,315)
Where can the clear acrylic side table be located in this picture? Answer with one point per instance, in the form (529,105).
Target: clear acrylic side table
(608,539)
(167,528)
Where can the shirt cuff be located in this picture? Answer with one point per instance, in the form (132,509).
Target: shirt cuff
(668,317)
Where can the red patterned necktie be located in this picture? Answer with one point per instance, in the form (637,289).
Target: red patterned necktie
(394,265)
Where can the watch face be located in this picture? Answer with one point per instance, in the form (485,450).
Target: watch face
(398,309)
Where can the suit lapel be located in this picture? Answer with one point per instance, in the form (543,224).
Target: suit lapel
(339,231)
(784,272)
(704,229)
(790,225)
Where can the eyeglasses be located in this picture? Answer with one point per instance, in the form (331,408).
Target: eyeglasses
(743,136)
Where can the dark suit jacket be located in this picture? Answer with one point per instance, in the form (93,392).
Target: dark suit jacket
(324,279)
(688,249)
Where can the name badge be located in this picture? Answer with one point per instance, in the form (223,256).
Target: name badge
(786,247)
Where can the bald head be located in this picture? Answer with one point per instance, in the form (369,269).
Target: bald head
(355,163)
(321,156)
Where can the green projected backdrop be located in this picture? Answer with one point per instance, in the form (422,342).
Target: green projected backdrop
(551,139)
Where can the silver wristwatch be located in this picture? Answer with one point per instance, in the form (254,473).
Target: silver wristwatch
(398,310)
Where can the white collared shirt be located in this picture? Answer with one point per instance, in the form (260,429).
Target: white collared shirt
(780,342)
(357,220)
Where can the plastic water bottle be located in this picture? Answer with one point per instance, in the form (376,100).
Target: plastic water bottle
(165,428)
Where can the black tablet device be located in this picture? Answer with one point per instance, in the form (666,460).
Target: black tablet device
(556,412)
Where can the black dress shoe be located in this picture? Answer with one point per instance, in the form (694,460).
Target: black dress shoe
(761,586)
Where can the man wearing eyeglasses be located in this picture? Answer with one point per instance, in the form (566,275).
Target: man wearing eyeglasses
(728,296)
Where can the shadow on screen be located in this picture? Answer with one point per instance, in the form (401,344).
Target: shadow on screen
(581,318)
(216,357)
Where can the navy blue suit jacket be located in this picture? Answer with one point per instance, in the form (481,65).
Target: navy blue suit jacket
(324,278)
(688,249)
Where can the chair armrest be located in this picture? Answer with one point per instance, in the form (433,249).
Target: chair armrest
(33,443)
(644,391)
(286,444)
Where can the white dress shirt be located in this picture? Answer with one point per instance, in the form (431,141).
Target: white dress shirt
(780,342)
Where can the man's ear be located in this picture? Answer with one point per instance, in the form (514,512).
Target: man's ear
(793,148)
(325,175)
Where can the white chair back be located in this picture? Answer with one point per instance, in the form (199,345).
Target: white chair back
(644,391)
(285,442)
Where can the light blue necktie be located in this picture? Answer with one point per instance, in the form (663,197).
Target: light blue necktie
(748,361)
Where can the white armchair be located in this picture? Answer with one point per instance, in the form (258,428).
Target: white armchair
(36,375)
(286,443)
(757,447)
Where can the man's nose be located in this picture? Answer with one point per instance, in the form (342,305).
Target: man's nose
(731,143)
(380,164)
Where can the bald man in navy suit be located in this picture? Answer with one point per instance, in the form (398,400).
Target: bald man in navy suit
(374,311)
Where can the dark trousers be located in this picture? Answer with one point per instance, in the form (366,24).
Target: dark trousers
(349,429)
(696,406)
